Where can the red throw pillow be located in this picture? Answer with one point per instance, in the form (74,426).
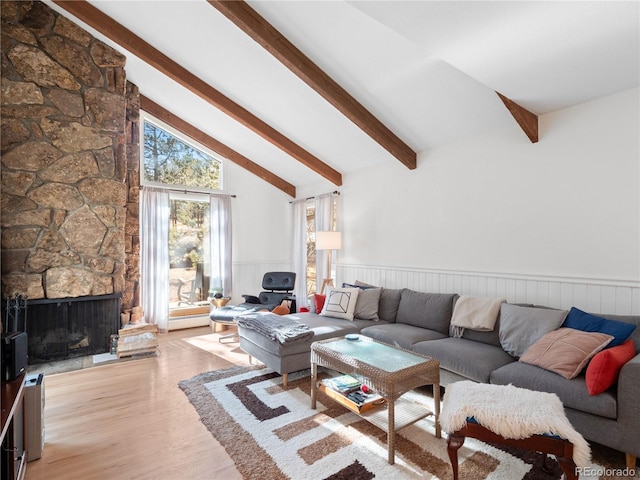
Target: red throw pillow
(319,301)
(605,366)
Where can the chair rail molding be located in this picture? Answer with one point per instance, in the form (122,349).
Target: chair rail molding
(595,295)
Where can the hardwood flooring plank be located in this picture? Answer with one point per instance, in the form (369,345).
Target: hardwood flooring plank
(130,420)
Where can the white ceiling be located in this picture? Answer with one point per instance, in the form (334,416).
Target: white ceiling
(426,69)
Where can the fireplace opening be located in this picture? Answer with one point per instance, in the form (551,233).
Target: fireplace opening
(63,328)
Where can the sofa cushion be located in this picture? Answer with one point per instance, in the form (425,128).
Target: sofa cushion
(368,303)
(604,367)
(426,310)
(565,351)
(340,303)
(592,323)
(389,303)
(521,327)
(400,334)
(490,338)
(467,358)
(573,393)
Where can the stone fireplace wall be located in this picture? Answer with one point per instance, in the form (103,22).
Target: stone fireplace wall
(68,212)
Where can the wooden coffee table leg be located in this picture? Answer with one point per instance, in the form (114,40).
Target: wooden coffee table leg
(314,378)
(436,401)
(454,442)
(391,433)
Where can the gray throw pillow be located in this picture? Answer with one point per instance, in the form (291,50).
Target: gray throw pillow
(521,327)
(367,304)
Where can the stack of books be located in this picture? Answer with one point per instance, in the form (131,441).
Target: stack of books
(346,390)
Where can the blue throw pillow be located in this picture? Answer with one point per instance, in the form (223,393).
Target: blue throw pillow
(586,322)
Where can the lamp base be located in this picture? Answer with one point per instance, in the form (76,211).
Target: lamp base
(325,282)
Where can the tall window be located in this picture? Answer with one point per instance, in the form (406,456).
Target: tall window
(173,160)
(189,171)
(188,244)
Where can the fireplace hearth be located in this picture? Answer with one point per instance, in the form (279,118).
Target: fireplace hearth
(62,328)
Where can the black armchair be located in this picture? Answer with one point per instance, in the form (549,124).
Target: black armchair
(278,286)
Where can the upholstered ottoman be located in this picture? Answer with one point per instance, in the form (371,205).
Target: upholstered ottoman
(292,357)
(227,316)
(513,416)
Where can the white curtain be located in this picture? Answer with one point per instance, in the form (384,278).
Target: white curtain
(154,256)
(300,251)
(220,243)
(324,211)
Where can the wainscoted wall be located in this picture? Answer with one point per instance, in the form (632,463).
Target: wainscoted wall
(592,295)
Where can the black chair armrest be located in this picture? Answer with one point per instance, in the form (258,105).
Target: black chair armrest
(251,299)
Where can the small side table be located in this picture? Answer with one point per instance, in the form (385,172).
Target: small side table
(220,302)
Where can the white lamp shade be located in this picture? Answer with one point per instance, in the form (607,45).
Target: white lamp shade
(328,240)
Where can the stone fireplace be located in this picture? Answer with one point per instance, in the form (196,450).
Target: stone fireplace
(69,165)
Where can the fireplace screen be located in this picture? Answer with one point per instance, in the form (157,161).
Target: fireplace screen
(58,329)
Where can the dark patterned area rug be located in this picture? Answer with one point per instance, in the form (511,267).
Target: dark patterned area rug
(271,432)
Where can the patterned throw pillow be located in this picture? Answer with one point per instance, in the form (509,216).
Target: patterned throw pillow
(340,303)
(565,351)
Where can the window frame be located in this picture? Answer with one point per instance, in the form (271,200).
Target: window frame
(147,117)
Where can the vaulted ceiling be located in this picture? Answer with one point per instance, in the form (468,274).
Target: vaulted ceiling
(304,92)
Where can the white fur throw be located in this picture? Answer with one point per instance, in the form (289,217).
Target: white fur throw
(511,412)
(475,313)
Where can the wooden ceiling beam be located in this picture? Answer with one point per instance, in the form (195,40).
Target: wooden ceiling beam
(217,146)
(138,47)
(528,121)
(254,25)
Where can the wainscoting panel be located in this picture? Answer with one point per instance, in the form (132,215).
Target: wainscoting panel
(592,295)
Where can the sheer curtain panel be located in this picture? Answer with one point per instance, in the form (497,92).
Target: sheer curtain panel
(220,248)
(324,212)
(300,251)
(154,256)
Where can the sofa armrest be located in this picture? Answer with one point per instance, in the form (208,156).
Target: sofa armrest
(628,405)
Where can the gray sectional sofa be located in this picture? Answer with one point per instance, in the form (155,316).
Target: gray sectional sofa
(421,322)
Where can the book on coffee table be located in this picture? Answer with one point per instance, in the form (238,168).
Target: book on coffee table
(354,399)
(343,383)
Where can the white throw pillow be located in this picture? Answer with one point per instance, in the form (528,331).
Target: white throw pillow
(340,303)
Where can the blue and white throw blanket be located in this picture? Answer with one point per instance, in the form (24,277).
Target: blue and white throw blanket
(276,327)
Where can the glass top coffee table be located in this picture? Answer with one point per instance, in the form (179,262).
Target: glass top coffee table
(388,370)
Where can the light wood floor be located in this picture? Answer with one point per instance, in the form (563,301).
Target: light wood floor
(130,420)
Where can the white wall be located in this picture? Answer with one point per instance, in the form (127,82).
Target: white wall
(261,216)
(567,206)
(554,223)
